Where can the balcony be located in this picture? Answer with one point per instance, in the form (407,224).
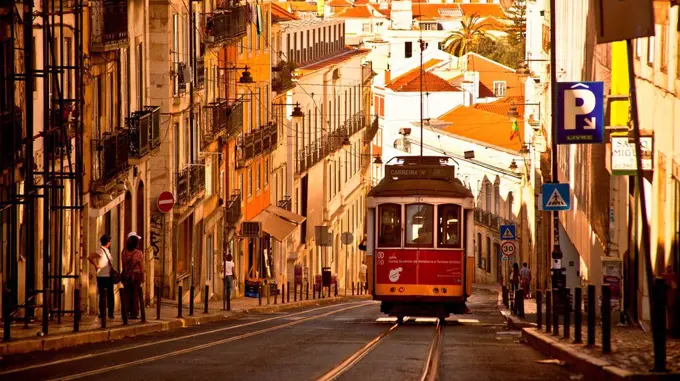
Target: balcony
(371,131)
(216,118)
(490,220)
(109,24)
(260,141)
(282,76)
(226,24)
(367,72)
(190,182)
(11,139)
(235,119)
(110,156)
(285,203)
(355,124)
(234,208)
(200,72)
(144,129)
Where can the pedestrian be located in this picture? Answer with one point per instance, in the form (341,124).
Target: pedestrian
(525,278)
(101,260)
(514,277)
(133,273)
(362,275)
(229,274)
(671,281)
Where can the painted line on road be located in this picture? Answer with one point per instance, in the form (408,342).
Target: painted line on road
(118,350)
(202,346)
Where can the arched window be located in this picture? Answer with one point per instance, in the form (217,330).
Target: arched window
(389,225)
(419,225)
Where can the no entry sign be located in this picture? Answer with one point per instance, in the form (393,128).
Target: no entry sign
(165,201)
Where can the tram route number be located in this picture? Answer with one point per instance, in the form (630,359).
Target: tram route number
(508,248)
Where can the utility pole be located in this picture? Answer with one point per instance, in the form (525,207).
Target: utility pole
(192,64)
(422,48)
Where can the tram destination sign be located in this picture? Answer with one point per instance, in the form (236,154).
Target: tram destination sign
(401,172)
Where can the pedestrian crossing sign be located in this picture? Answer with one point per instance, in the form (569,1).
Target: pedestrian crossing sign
(556,197)
(508,232)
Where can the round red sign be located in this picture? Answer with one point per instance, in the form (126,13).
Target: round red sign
(165,201)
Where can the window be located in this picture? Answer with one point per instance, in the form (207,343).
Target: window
(175,52)
(499,88)
(488,194)
(480,259)
(366,27)
(419,231)
(266,171)
(650,51)
(488,254)
(663,54)
(389,222)
(140,76)
(449,225)
(258,177)
(250,181)
(408,49)
(638,48)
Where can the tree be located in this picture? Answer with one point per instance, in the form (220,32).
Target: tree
(465,39)
(517,30)
(501,51)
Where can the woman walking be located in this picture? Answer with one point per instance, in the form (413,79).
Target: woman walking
(133,273)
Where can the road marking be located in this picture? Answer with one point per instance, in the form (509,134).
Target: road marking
(118,350)
(199,347)
(468,321)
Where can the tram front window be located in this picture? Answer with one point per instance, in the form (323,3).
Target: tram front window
(449,225)
(419,231)
(390,225)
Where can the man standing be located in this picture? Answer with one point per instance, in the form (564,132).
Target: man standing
(525,277)
(229,274)
(102,262)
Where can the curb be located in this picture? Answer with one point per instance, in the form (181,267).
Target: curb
(50,343)
(591,367)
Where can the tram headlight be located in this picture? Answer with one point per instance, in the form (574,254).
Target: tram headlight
(443,291)
(435,290)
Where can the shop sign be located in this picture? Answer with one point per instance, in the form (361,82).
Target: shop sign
(612,276)
(623,155)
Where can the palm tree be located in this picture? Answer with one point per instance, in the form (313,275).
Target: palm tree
(465,39)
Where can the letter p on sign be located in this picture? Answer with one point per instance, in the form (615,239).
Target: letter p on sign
(578,102)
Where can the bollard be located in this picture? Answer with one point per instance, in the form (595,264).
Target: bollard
(301,292)
(307,290)
(539,309)
(288,293)
(283,294)
(294,292)
(191,300)
(314,291)
(102,307)
(577,314)
(76,309)
(506,303)
(158,302)
(259,295)
(659,325)
(336,289)
(142,305)
(606,319)
(591,315)
(6,314)
(556,313)
(179,301)
(521,304)
(228,299)
(567,313)
(276,295)
(123,306)
(352,288)
(548,311)
(267,292)
(207,295)
(320,289)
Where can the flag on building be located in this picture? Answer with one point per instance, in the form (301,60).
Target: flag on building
(514,130)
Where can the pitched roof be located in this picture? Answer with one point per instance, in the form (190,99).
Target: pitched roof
(334,60)
(360,12)
(411,80)
(435,11)
(503,105)
(301,6)
(281,14)
(483,10)
(483,126)
(491,71)
(339,3)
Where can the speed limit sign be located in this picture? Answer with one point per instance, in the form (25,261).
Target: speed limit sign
(508,248)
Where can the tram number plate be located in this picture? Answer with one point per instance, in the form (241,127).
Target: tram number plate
(508,248)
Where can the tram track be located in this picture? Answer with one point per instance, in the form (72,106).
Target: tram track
(430,367)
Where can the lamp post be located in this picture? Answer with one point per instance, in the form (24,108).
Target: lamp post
(246,77)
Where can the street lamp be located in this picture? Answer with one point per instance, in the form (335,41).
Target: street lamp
(246,77)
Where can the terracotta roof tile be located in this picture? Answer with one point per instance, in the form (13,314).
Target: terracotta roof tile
(483,10)
(430,11)
(503,105)
(302,6)
(410,81)
(492,71)
(483,126)
(360,12)
(336,59)
(281,14)
(339,3)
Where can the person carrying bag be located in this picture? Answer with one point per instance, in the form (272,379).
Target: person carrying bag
(133,273)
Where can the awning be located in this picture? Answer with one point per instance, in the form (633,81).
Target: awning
(285,214)
(274,225)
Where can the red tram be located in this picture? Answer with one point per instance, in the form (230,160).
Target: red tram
(420,226)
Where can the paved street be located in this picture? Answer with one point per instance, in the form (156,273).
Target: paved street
(302,344)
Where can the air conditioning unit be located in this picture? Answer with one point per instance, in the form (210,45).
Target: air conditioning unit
(251,229)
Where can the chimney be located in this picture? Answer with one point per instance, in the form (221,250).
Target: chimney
(388,76)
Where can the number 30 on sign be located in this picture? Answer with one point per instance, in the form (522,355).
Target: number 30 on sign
(508,248)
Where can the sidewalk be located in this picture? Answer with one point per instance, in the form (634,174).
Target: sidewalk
(26,340)
(632,355)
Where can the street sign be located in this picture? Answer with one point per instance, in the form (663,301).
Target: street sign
(165,202)
(347,238)
(556,197)
(508,232)
(508,248)
(580,112)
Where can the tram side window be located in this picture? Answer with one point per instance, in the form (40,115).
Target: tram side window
(419,229)
(449,225)
(390,225)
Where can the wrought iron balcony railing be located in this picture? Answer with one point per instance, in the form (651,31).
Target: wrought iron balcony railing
(144,128)
(490,220)
(285,203)
(235,119)
(215,121)
(367,72)
(190,182)
(110,156)
(234,208)
(109,24)
(371,131)
(260,141)
(226,24)
(200,72)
